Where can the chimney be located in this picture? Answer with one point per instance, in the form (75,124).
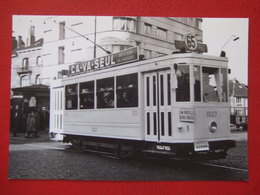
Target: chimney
(20,42)
(14,43)
(32,35)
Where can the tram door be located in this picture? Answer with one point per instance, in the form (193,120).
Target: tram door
(157,108)
(57,104)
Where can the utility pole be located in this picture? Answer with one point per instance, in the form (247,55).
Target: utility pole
(95,37)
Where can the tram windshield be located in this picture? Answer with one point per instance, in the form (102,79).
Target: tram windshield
(210,84)
(214,82)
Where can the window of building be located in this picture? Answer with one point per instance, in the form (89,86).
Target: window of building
(62,30)
(37,79)
(147,53)
(24,81)
(161,33)
(87,95)
(105,93)
(147,29)
(191,21)
(61,55)
(178,36)
(197,84)
(38,61)
(238,100)
(25,64)
(117,48)
(184,20)
(183,79)
(127,90)
(124,23)
(71,96)
(198,23)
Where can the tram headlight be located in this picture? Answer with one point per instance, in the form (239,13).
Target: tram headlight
(213,127)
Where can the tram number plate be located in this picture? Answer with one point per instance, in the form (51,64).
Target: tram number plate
(160,147)
(201,146)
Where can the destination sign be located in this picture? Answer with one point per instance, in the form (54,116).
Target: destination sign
(187,114)
(122,57)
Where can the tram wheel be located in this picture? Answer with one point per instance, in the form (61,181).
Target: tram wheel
(77,144)
(119,152)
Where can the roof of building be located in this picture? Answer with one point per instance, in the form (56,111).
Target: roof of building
(237,88)
(37,43)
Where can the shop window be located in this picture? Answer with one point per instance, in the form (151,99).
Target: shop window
(124,23)
(105,93)
(127,90)
(183,79)
(87,95)
(71,97)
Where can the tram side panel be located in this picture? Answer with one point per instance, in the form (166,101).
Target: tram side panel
(119,124)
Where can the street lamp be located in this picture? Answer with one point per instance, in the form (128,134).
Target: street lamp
(234,38)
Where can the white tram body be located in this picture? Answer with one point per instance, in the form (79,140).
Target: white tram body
(175,105)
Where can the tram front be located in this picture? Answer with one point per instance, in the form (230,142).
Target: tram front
(202,108)
(186,107)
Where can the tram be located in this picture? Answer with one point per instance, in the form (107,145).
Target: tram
(174,105)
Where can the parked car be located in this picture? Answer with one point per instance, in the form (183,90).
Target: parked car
(233,127)
(236,128)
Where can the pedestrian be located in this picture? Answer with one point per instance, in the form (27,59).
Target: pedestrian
(31,125)
(15,120)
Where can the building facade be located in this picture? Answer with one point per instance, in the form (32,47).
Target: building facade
(27,65)
(69,39)
(238,98)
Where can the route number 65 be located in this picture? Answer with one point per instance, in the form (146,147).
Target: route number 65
(191,42)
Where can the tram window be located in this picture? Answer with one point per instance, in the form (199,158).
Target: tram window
(197,87)
(71,96)
(127,90)
(210,87)
(105,93)
(183,78)
(224,96)
(87,95)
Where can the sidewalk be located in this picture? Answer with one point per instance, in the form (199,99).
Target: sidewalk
(43,136)
(240,136)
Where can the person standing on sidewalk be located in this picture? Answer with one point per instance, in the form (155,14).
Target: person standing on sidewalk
(15,120)
(31,125)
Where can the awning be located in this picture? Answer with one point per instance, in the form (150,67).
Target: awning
(38,90)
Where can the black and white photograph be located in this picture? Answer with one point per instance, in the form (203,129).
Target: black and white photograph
(129,98)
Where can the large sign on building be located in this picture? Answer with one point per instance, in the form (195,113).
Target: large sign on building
(122,57)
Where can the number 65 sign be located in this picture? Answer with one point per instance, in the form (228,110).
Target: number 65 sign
(191,42)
